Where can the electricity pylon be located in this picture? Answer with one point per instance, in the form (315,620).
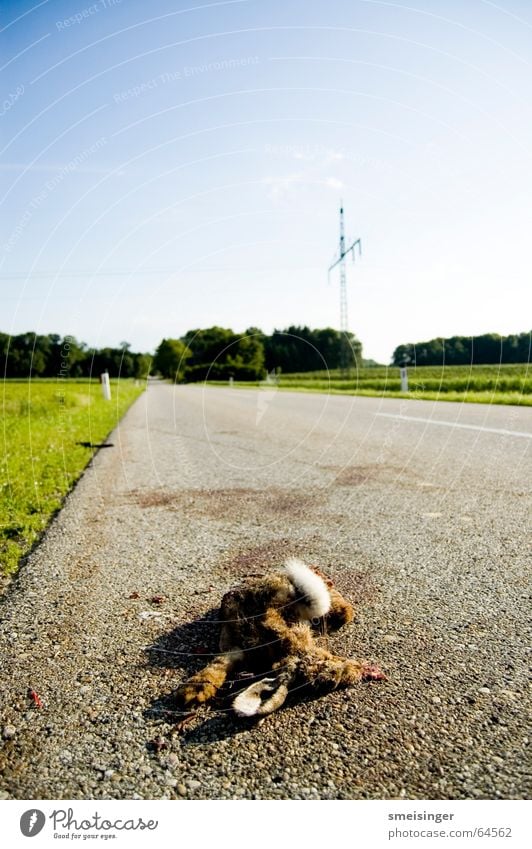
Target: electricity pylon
(343,252)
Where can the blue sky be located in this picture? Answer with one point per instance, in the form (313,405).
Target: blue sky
(175,165)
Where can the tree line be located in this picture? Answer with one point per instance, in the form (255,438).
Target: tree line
(217,353)
(490,348)
(213,353)
(35,355)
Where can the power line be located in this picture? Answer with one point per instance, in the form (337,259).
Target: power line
(47,275)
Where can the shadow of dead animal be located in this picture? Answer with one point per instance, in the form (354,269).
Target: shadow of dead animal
(96,444)
(268,631)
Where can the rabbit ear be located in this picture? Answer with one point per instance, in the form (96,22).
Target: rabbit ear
(250,703)
(275,701)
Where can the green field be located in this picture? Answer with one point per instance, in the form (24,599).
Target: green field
(497,384)
(44,423)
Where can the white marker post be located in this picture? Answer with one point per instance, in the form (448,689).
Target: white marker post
(106,386)
(404,379)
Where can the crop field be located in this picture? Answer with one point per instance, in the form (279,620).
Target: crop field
(49,433)
(486,384)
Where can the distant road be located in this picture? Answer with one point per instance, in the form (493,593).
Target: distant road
(418,511)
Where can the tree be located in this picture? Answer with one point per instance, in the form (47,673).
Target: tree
(300,349)
(170,359)
(489,348)
(143,363)
(32,355)
(217,353)
(26,355)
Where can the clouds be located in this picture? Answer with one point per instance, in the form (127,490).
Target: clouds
(321,170)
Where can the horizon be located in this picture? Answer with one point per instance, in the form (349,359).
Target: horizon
(186,169)
(151,352)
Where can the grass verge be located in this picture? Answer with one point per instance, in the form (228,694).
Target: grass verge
(50,431)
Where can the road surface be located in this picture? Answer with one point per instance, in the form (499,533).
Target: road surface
(418,511)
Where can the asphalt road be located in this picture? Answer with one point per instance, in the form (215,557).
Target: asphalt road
(419,513)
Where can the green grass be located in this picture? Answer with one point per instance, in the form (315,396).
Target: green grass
(43,422)
(505,384)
